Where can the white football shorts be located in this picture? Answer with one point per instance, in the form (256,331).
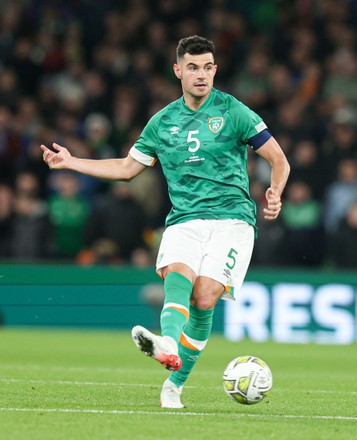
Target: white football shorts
(218,249)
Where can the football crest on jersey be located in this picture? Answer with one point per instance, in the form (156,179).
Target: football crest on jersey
(215,124)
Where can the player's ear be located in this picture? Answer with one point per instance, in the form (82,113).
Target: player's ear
(177,71)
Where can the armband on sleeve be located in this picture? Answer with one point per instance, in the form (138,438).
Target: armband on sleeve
(259,139)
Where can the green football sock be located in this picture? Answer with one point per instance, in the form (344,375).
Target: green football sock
(175,312)
(192,342)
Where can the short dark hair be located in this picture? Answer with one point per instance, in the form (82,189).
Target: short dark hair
(194,45)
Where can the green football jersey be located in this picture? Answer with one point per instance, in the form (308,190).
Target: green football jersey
(203,155)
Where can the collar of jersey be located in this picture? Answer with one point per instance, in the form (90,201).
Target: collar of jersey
(204,105)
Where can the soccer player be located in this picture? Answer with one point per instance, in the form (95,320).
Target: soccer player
(201,141)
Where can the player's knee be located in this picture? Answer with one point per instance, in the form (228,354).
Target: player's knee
(206,293)
(203,303)
(180,268)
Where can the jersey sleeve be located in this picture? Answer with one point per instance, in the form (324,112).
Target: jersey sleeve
(144,148)
(248,124)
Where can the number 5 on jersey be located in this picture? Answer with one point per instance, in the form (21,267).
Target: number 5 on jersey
(195,140)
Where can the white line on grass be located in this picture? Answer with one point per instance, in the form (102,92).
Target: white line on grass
(172,413)
(34,367)
(74,382)
(145,385)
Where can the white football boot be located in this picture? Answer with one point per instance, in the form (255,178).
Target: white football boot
(170,395)
(162,348)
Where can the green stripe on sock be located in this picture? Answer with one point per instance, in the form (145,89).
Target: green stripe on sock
(198,327)
(178,290)
(189,358)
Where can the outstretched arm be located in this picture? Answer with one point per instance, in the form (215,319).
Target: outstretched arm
(109,169)
(280,170)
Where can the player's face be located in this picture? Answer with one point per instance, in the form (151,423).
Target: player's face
(196,73)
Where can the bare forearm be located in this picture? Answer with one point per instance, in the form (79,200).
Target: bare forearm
(280,167)
(108,169)
(279,175)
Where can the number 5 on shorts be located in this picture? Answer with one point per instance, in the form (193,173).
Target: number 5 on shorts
(232,257)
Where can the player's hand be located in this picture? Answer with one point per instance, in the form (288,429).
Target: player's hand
(273,204)
(56,160)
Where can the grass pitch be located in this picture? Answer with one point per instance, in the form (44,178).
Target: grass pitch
(69,385)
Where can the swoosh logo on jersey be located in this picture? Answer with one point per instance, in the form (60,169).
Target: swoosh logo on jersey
(215,124)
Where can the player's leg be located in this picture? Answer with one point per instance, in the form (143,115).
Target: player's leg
(195,334)
(178,279)
(174,315)
(228,254)
(193,338)
(178,256)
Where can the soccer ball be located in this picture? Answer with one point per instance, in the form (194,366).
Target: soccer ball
(247,379)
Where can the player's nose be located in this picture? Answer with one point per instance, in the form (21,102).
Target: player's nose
(202,72)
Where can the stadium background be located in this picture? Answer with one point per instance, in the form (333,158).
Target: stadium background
(89,74)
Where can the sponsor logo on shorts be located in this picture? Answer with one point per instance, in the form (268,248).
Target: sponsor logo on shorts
(227,273)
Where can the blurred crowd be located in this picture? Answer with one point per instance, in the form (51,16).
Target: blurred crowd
(89,74)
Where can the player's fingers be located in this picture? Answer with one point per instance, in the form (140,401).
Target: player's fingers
(274,202)
(272,212)
(270,194)
(273,198)
(57,147)
(271,216)
(275,206)
(46,152)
